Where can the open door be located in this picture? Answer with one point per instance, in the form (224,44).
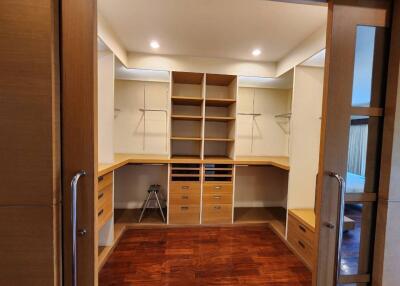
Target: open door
(79,140)
(351,140)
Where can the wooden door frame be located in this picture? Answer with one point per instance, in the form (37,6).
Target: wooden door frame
(389,140)
(78,37)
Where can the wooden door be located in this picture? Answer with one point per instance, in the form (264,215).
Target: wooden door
(79,135)
(351,137)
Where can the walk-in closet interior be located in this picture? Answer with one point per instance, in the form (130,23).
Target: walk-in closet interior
(220,105)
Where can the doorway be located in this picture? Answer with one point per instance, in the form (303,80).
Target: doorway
(359,209)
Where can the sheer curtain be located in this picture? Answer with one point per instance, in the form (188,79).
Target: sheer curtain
(357,149)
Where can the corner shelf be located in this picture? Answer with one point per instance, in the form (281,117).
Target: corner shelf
(220,139)
(187,117)
(220,118)
(219,102)
(186,138)
(186,100)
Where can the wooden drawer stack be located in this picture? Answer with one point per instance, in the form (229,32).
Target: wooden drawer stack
(301,225)
(104,199)
(184,194)
(217,194)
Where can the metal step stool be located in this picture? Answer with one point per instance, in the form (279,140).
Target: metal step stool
(153,191)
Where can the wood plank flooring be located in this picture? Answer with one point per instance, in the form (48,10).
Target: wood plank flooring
(235,255)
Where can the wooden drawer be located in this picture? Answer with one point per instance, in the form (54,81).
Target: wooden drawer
(303,248)
(104,181)
(184,187)
(223,198)
(104,196)
(216,188)
(184,199)
(184,214)
(217,213)
(303,230)
(104,213)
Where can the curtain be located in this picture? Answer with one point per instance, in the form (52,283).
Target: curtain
(357,155)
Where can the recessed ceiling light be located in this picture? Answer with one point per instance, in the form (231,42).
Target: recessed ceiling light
(154,44)
(256,52)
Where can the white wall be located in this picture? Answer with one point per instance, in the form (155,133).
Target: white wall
(129,122)
(305,136)
(269,133)
(260,186)
(105,107)
(132,181)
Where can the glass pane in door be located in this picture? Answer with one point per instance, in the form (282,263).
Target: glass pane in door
(363,154)
(355,250)
(369,63)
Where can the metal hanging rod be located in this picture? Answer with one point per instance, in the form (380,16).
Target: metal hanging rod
(284,115)
(253,114)
(144,110)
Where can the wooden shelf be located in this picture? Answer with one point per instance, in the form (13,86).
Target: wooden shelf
(217,159)
(187,117)
(185,159)
(219,139)
(186,138)
(221,102)
(220,118)
(185,100)
(218,175)
(185,175)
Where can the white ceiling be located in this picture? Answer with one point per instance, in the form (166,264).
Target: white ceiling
(213,28)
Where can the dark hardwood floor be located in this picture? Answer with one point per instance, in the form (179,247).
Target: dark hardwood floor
(351,243)
(237,255)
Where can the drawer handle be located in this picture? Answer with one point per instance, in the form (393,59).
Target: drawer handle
(184,208)
(185,197)
(101,178)
(217,187)
(100,212)
(301,244)
(217,197)
(217,207)
(185,187)
(100,196)
(302,228)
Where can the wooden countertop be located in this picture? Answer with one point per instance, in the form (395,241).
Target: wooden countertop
(306,216)
(276,161)
(124,159)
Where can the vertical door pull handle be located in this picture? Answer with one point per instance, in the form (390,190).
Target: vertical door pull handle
(82,232)
(340,219)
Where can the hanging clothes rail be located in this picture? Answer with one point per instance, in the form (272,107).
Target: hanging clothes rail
(145,109)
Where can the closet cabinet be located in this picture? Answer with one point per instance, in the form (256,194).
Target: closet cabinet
(184,194)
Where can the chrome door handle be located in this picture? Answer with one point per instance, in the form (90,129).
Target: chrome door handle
(340,219)
(74,190)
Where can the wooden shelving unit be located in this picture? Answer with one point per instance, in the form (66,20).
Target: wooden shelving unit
(186,138)
(220,118)
(203,115)
(220,102)
(220,115)
(220,139)
(187,117)
(187,102)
